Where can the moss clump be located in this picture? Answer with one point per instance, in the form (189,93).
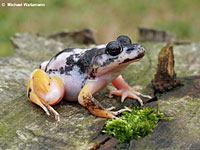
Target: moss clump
(135,124)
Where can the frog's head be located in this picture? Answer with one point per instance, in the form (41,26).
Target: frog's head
(118,54)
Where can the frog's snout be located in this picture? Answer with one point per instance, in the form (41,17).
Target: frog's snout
(140,49)
(136,47)
(141,52)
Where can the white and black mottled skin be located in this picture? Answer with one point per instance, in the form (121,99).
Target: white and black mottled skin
(77,66)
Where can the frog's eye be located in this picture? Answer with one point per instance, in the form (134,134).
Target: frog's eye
(124,40)
(113,48)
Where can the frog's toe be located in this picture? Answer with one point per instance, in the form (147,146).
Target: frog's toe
(110,108)
(45,91)
(126,93)
(121,111)
(55,113)
(121,93)
(113,114)
(144,96)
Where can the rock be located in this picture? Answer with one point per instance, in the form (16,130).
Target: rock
(147,34)
(84,36)
(23,125)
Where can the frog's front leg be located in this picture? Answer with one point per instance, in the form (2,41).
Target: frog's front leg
(86,99)
(124,90)
(45,91)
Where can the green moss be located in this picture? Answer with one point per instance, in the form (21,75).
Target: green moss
(134,125)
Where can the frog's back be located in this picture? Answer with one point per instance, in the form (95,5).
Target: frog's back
(73,66)
(64,65)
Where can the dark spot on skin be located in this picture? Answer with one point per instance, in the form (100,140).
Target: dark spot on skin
(83,83)
(29,91)
(129,50)
(68,69)
(55,57)
(61,70)
(69,65)
(50,71)
(91,103)
(108,61)
(92,76)
(77,55)
(127,60)
(70,60)
(86,60)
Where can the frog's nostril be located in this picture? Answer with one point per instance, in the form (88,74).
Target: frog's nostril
(142,49)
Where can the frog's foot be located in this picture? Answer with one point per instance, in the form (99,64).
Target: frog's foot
(124,90)
(45,91)
(86,99)
(126,93)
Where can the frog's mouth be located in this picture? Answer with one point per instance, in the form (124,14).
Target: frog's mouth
(134,59)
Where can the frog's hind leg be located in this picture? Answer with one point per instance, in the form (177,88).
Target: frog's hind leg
(86,99)
(124,90)
(45,91)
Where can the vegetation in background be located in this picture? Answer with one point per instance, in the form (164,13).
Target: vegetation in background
(109,18)
(134,125)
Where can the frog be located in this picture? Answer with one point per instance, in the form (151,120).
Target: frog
(77,74)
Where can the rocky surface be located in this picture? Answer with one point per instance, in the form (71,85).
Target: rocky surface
(149,35)
(24,125)
(84,36)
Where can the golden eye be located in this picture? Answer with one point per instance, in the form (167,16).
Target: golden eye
(113,48)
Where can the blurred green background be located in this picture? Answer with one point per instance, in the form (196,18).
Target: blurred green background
(108,18)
